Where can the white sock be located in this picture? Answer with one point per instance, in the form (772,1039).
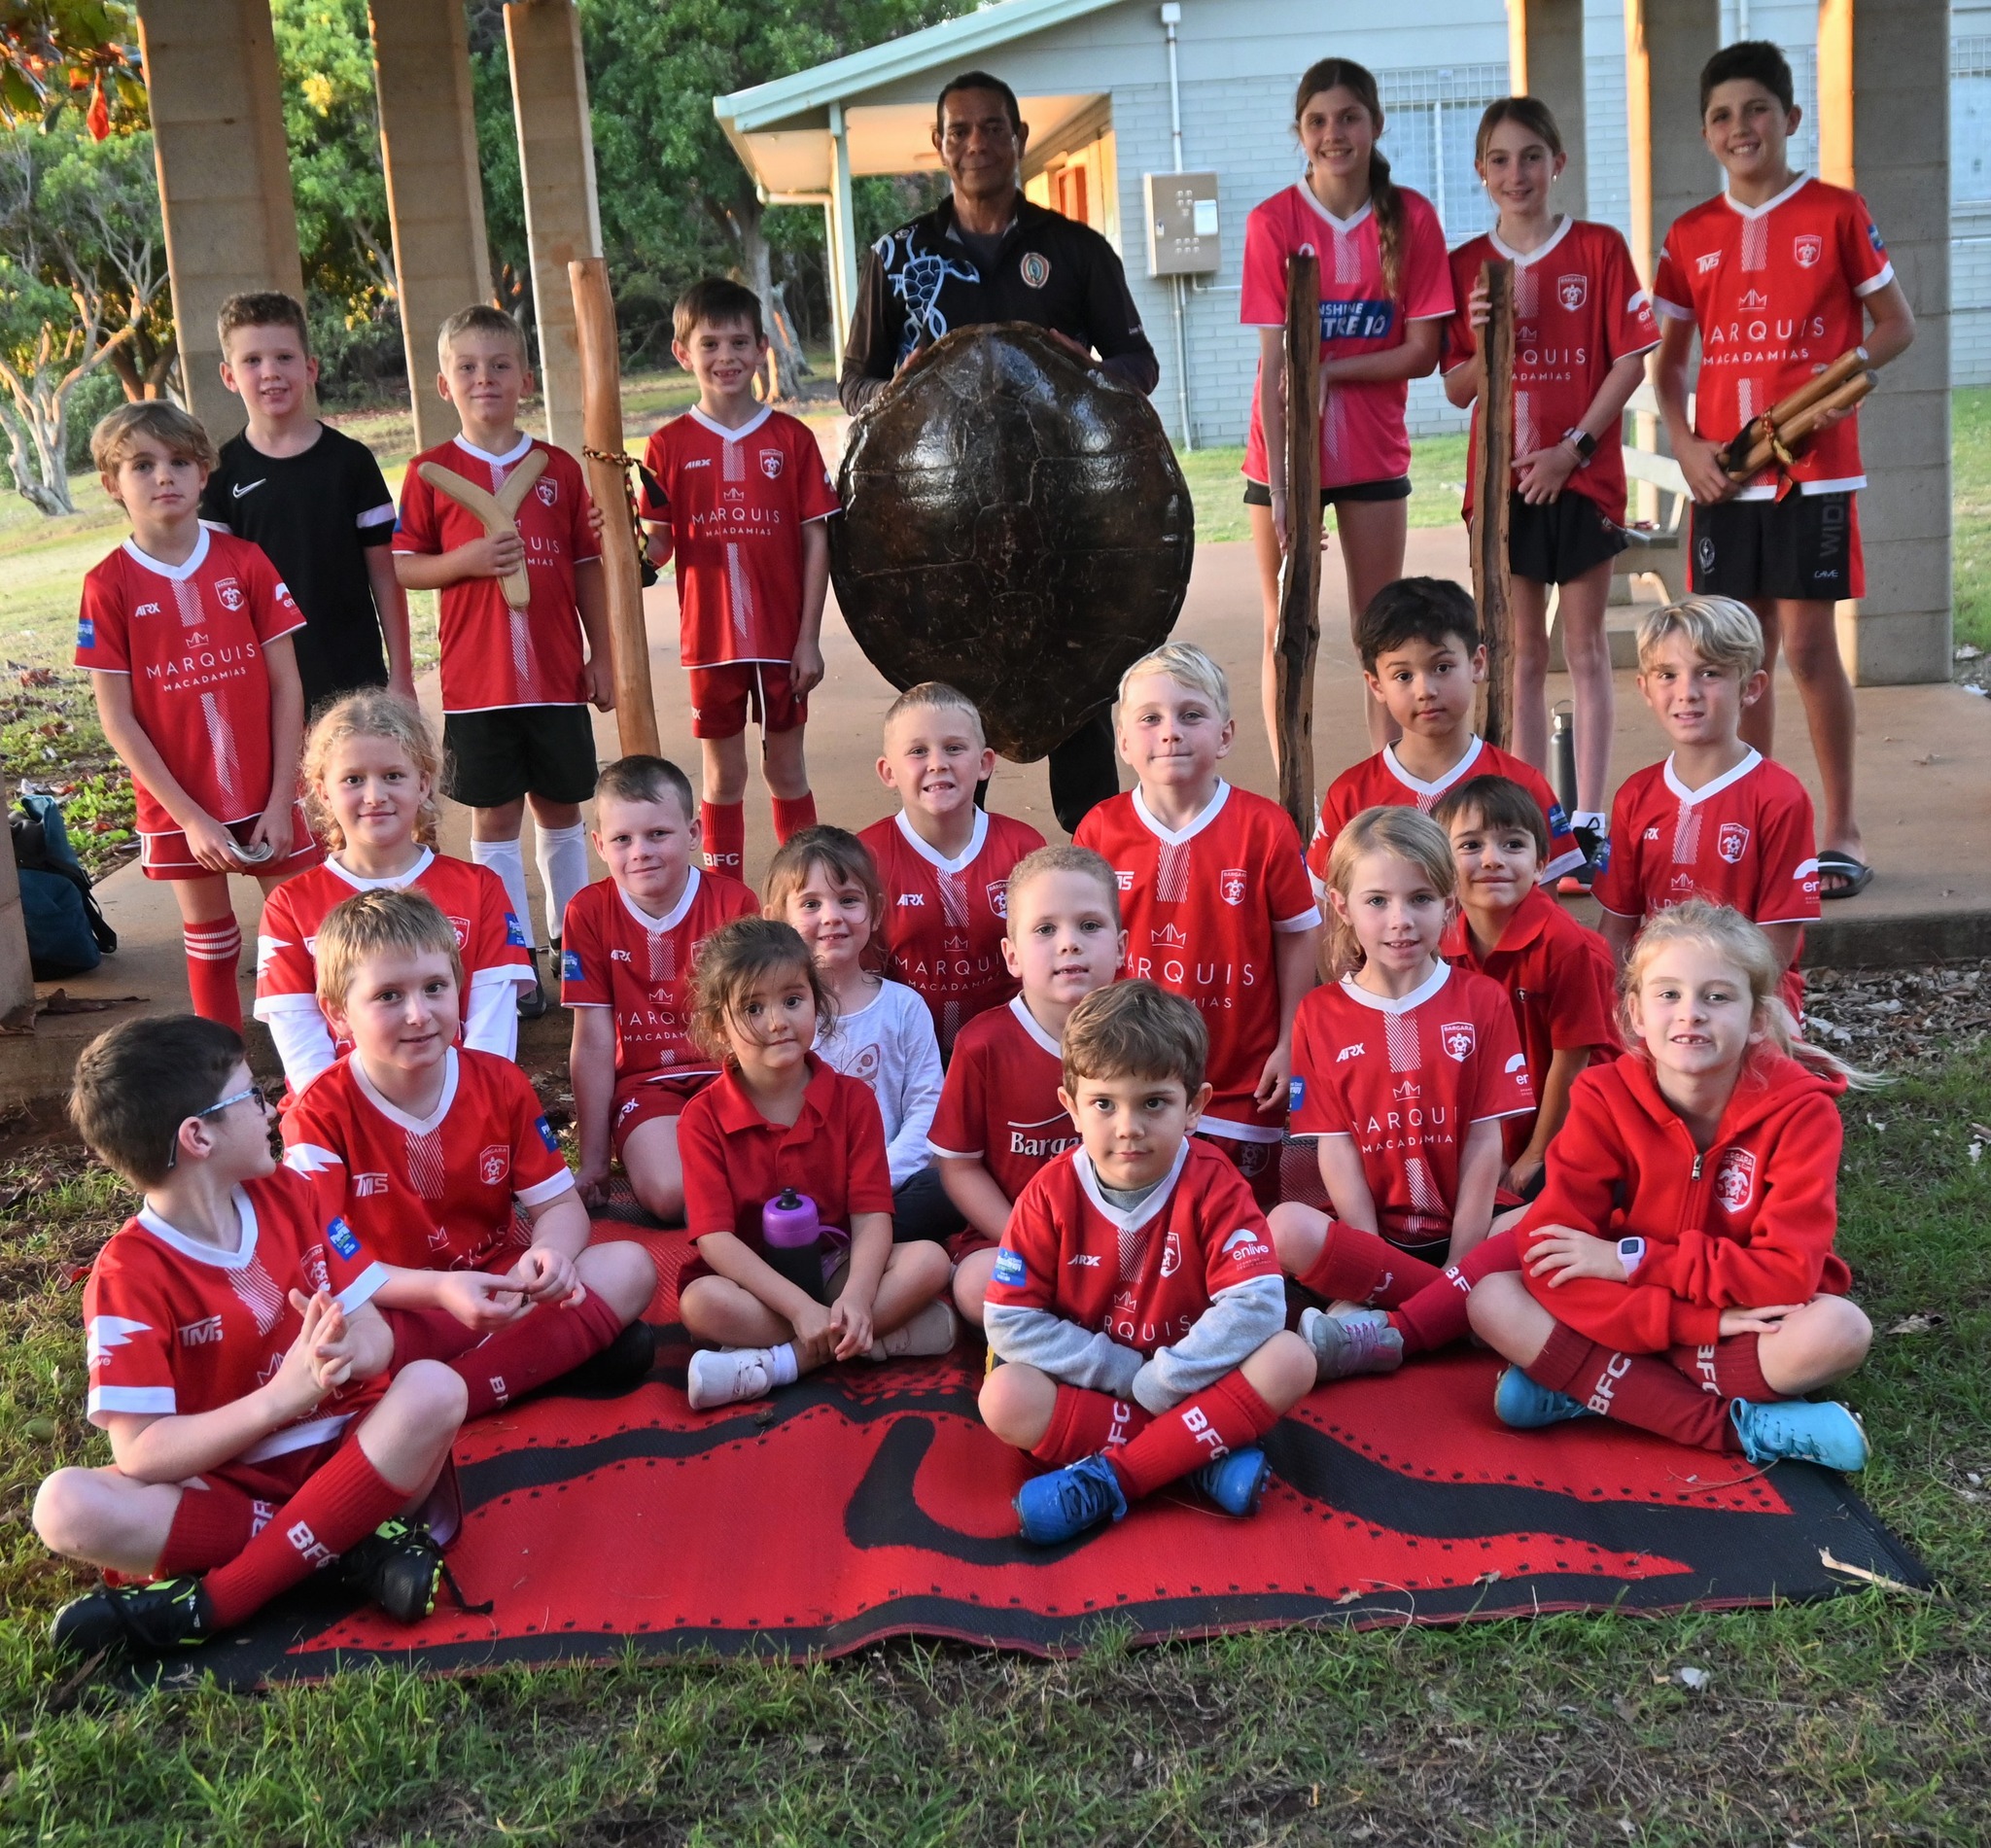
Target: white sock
(507,858)
(781,1369)
(1590,819)
(562,855)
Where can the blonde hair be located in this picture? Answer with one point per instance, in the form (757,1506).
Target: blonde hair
(371,713)
(1392,829)
(731,961)
(480,318)
(845,858)
(1136,1029)
(1187,665)
(183,436)
(371,924)
(935,696)
(1742,943)
(1043,861)
(1723,632)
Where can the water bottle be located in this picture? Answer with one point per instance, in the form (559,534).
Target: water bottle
(1563,757)
(791,1239)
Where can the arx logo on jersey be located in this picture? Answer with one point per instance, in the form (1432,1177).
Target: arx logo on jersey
(1731,842)
(1572,291)
(1736,1179)
(1807,248)
(146,610)
(912,898)
(771,461)
(1231,883)
(1458,1039)
(1350,1051)
(1083,1260)
(202,1334)
(494,1164)
(229,592)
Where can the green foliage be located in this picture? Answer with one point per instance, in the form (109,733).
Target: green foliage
(1970,464)
(55,53)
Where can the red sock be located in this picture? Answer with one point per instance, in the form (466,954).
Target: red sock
(1635,1389)
(538,1347)
(210,1527)
(1731,1368)
(1222,1418)
(341,1503)
(792,818)
(723,827)
(213,950)
(1361,1268)
(1436,1316)
(1084,1423)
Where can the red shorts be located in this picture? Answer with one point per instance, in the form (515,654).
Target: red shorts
(647,1099)
(168,856)
(722,695)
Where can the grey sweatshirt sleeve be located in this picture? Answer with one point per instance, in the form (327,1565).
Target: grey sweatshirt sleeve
(1062,1349)
(1235,1325)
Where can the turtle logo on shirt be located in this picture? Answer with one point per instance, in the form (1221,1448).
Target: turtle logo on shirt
(771,461)
(1572,291)
(1458,1039)
(998,897)
(1171,1255)
(229,592)
(1231,885)
(549,491)
(494,1164)
(1736,1179)
(1807,248)
(461,927)
(1733,841)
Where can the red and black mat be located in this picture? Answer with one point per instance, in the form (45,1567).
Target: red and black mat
(869,1502)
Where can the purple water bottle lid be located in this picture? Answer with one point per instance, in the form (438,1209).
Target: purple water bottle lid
(790,1221)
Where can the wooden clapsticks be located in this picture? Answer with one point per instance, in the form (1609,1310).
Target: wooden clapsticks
(499,511)
(1775,436)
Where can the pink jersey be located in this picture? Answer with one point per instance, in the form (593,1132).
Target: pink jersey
(1201,906)
(1776,291)
(1362,431)
(494,655)
(434,1193)
(190,639)
(737,500)
(1407,1079)
(1579,309)
(999,1104)
(944,919)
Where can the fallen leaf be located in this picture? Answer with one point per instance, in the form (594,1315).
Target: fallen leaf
(1921,1322)
(1696,1680)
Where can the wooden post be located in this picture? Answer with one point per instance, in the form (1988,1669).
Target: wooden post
(16,976)
(1299,629)
(1493,479)
(608,481)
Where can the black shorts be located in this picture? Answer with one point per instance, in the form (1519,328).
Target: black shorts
(1803,548)
(1396,488)
(1558,540)
(492,758)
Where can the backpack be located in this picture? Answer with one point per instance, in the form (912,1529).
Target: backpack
(67,933)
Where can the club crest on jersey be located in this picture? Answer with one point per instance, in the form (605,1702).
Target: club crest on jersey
(547,1135)
(548,491)
(1009,1268)
(998,897)
(1458,1039)
(1736,1179)
(771,461)
(230,593)
(1035,270)
(1171,1255)
(494,1164)
(1572,291)
(1231,885)
(1731,842)
(1808,247)
(461,927)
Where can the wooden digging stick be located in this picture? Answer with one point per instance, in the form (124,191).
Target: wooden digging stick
(1493,479)
(499,511)
(601,411)
(1298,625)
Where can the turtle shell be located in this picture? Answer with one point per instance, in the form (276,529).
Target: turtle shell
(1013,524)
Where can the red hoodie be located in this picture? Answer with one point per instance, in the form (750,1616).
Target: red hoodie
(1746,1224)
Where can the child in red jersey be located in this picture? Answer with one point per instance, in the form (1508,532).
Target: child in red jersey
(1778,276)
(1385,295)
(437,1149)
(1405,1069)
(1137,1307)
(943,861)
(186,635)
(515,683)
(1560,977)
(237,1364)
(999,1121)
(1585,326)
(370,767)
(738,491)
(625,971)
(1678,1269)
(1213,894)
(780,1121)
(1421,652)
(1716,820)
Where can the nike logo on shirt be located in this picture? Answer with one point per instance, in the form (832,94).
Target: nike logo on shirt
(248,487)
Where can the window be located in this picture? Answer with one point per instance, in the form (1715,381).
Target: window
(1432,118)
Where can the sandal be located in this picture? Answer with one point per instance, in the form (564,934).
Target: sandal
(1856,874)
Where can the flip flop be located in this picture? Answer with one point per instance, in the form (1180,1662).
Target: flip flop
(1856,874)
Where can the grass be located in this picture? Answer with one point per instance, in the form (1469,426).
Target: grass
(1970,449)
(1438,476)
(1858,1721)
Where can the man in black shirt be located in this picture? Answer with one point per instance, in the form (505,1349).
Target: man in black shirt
(988,254)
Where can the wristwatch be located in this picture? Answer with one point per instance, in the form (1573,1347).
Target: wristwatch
(1584,443)
(1631,1254)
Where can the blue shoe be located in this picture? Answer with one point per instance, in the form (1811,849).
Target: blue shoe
(1800,1431)
(1062,1504)
(1522,1405)
(1235,1480)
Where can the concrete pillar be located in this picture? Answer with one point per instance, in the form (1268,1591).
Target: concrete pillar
(1883,91)
(1666,42)
(435,191)
(556,158)
(843,226)
(224,175)
(1545,61)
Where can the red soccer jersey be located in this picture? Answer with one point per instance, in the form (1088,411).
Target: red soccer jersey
(737,500)
(944,919)
(190,639)
(1201,906)
(1362,432)
(175,1327)
(736,1161)
(1381,782)
(1407,1079)
(1776,291)
(1145,1277)
(434,1193)
(999,1102)
(492,654)
(488,937)
(612,954)
(1579,309)
(1561,983)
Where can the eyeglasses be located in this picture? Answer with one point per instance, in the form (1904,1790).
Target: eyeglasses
(215,1109)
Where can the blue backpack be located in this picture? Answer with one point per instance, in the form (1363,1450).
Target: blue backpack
(66,932)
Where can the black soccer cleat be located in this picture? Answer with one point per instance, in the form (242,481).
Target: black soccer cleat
(532,1001)
(399,1567)
(151,1620)
(621,1367)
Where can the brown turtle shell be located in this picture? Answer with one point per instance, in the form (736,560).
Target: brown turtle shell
(1014,523)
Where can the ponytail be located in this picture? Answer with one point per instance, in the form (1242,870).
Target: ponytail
(1385,200)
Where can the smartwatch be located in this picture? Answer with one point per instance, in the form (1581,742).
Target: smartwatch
(1631,1254)
(1584,443)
